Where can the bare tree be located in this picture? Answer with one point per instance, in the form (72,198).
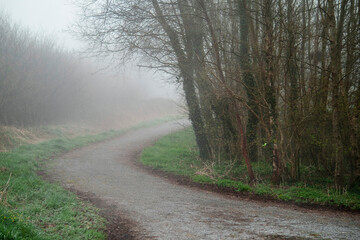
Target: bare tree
(281,74)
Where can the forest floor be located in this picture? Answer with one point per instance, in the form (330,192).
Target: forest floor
(143,204)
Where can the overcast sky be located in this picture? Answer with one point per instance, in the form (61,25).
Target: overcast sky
(53,17)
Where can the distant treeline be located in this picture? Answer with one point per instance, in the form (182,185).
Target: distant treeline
(42,83)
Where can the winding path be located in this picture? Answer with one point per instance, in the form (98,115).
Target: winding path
(162,210)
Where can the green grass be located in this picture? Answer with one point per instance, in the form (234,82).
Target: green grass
(177,153)
(13,226)
(36,209)
(158,121)
(44,210)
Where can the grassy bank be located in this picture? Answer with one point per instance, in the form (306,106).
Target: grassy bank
(12,137)
(31,208)
(177,153)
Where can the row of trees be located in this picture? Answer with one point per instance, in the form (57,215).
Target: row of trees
(42,83)
(263,79)
(34,74)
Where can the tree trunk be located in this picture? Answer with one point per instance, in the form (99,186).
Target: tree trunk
(244,148)
(187,73)
(228,90)
(249,81)
(271,116)
(336,32)
(292,75)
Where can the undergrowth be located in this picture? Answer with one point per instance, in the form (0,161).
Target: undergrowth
(177,153)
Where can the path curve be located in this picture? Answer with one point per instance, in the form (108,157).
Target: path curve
(162,210)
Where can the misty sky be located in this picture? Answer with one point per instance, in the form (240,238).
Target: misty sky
(53,17)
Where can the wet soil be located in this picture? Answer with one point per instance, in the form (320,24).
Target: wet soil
(146,204)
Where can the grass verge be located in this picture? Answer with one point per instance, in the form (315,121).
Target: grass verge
(31,208)
(177,154)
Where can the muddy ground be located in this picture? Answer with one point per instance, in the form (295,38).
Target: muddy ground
(144,204)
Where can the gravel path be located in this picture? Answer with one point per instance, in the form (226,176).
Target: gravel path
(162,210)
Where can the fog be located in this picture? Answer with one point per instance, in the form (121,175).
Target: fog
(50,17)
(55,18)
(50,78)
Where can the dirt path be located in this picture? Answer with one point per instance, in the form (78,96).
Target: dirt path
(154,208)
